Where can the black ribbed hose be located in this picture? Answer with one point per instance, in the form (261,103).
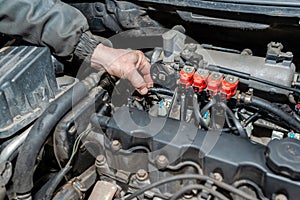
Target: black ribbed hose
(268,106)
(23,176)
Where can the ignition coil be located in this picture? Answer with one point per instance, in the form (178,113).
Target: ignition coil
(229,86)
(186,76)
(214,83)
(200,80)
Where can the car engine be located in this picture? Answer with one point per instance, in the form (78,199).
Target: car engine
(219,123)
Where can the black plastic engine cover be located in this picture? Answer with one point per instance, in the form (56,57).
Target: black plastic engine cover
(235,157)
(27,85)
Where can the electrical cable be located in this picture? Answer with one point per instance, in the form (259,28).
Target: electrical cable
(24,169)
(189,188)
(51,186)
(191,176)
(76,146)
(248,183)
(185,163)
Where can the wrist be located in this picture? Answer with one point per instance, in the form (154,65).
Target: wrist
(86,45)
(100,57)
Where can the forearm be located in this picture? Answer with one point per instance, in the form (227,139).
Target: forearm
(49,23)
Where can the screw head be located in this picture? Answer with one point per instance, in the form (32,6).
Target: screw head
(161,158)
(188,69)
(162,161)
(231,79)
(100,160)
(116,145)
(281,197)
(115,142)
(72,129)
(218,176)
(141,175)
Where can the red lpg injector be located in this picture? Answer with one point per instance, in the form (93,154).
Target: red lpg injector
(229,86)
(186,75)
(200,79)
(214,82)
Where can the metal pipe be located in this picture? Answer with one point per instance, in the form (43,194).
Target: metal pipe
(13,145)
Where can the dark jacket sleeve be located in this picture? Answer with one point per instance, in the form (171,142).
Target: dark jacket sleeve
(49,23)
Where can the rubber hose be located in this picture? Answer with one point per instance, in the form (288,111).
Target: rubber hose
(268,106)
(23,176)
(55,182)
(48,188)
(161,91)
(198,116)
(207,106)
(235,121)
(62,139)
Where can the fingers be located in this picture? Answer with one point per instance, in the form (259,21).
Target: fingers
(129,64)
(144,67)
(137,81)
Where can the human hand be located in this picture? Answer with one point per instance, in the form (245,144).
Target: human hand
(126,64)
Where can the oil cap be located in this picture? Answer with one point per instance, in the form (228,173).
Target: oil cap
(283,157)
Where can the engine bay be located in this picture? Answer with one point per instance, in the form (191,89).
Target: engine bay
(218,124)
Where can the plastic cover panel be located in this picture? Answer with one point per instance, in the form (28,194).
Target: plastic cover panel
(27,84)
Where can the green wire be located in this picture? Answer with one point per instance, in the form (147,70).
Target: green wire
(76,145)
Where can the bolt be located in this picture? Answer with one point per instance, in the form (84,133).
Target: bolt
(192,47)
(100,160)
(218,176)
(72,129)
(231,79)
(186,51)
(281,197)
(162,158)
(289,54)
(162,161)
(188,69)
(216,76)
(141,175)
(116,145)
(275,44)
(247,52)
